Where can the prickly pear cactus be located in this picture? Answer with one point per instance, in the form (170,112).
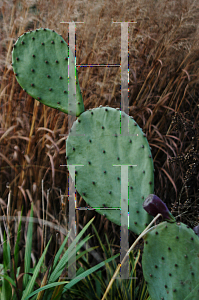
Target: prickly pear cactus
(98,145)
(40,63)
(171,262)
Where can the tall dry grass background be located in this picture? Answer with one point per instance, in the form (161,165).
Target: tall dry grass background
(163,83)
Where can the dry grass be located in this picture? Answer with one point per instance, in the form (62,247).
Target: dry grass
(164,74)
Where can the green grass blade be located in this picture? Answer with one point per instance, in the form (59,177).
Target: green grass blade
(16,249)
(88,272)
(6,288)
(59,252)
(9,279)
(66,256)
(31,283)
(28,250)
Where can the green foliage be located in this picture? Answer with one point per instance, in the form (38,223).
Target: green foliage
(40,60)
(100,149)
(171,262)
(94,286)
(52,280)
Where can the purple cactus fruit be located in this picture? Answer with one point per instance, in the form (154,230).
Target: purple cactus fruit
(196,230)
(154,205)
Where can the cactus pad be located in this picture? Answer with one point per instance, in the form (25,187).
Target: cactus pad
(40,62)
(171,262)
(98,145)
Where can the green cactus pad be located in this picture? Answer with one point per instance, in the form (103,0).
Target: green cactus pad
(98,145)
(40,62)
(171,262)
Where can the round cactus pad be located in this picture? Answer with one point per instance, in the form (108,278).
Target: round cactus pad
(171,262)
(40,60)
(100,150)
